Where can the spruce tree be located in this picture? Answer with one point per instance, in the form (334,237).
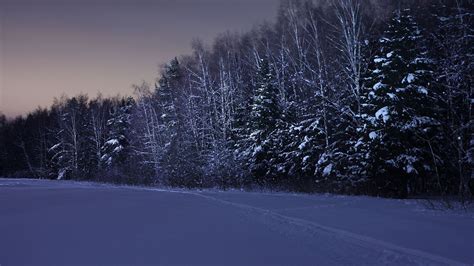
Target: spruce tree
(167,96)
(177,156)
(305,143)
(265,110)
(264,118)
(399,108)
(115,149)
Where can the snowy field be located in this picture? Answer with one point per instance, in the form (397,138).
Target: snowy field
(63,223)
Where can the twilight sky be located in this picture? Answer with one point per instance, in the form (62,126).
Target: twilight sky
(51,47)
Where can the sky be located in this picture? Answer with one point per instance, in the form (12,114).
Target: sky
(54,47)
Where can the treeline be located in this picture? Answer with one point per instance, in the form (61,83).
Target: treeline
(341,96)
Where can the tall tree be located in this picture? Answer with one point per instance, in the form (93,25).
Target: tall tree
(452,46)
(399,108)
(264,119)
(116,148)
(70,151)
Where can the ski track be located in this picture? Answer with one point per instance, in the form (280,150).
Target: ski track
(361,240)
(390,252)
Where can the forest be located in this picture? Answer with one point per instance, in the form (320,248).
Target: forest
(341,96)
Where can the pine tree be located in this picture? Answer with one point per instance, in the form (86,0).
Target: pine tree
(399,108)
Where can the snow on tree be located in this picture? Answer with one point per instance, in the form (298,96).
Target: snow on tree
(115,149)
(264,118)
(399,108)
(304,144)
(179,157)
(69,153)
(289,104)
(98,115)
(265,109)
(339,167)
(452,46)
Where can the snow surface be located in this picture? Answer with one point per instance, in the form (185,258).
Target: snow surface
(64,222)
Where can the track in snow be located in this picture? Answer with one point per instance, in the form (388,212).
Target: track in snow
(50,222)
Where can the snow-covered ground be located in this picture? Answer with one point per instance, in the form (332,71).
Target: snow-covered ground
(62,223)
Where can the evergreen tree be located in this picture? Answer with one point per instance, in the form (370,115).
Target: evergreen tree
(265,112)
(264,119)
(304,144)
(166,94)
(399,108)
(115,149)
(177,157)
